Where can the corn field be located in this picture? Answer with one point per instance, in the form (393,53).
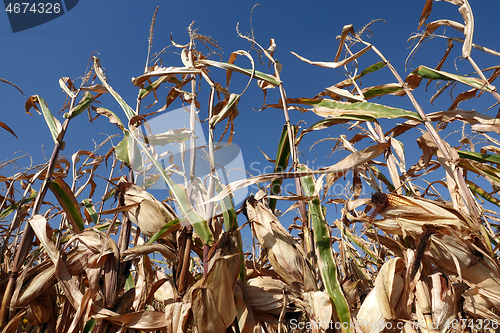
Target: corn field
(419,254)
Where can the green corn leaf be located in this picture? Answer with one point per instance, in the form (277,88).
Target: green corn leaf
(85,102)
(11,208)
(129,112)
(381,90)
(482,193)
(89,326)
(155,85)
(322,244)
(129,282)
(68,202)
(281,163)
(480,157)
(232,103)
(124,151)
(373,68)
(382,177)
(89,207)
(487,171)
(433,74)
(163,230)
(52,122)
(330,108)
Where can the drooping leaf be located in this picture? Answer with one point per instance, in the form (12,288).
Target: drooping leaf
(66,85)
(90,210)
(129,112)
(224,65)
(231,105)
(7,128)
(334,64)
(113,118)
(85,102)
(11,208)
(156,84)
(330,108)
(68,202)
(53,124)
(12,84)
(433,74)
(167,72)
(373,68)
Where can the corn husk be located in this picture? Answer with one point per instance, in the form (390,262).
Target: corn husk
(149,213)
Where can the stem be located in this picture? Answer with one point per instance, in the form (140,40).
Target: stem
(192,178)
(28,234)
(185,262)
(293,152)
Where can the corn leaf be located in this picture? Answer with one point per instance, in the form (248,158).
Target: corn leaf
(281,163)
(230,67)
(129,112)
(433,74)
(85,102)
(68,202)
(324,254)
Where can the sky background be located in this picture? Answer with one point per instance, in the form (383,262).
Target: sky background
(117,32)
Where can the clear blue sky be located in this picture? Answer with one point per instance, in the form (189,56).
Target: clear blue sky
(36,58)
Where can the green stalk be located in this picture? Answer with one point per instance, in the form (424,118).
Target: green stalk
(324,254)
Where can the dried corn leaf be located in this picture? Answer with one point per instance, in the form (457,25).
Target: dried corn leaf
(213,300)
(388,287)
(140,250)
(177,315)
(350,162)
(460,257)
(246,320)
(167,72)
(321,311)
(334,64)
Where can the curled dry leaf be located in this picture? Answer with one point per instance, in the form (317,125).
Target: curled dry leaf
(320,310)
(213,300)
(176,316)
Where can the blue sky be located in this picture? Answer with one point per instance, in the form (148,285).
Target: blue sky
(35,59)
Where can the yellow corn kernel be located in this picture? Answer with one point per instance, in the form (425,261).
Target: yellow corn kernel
(398,200)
